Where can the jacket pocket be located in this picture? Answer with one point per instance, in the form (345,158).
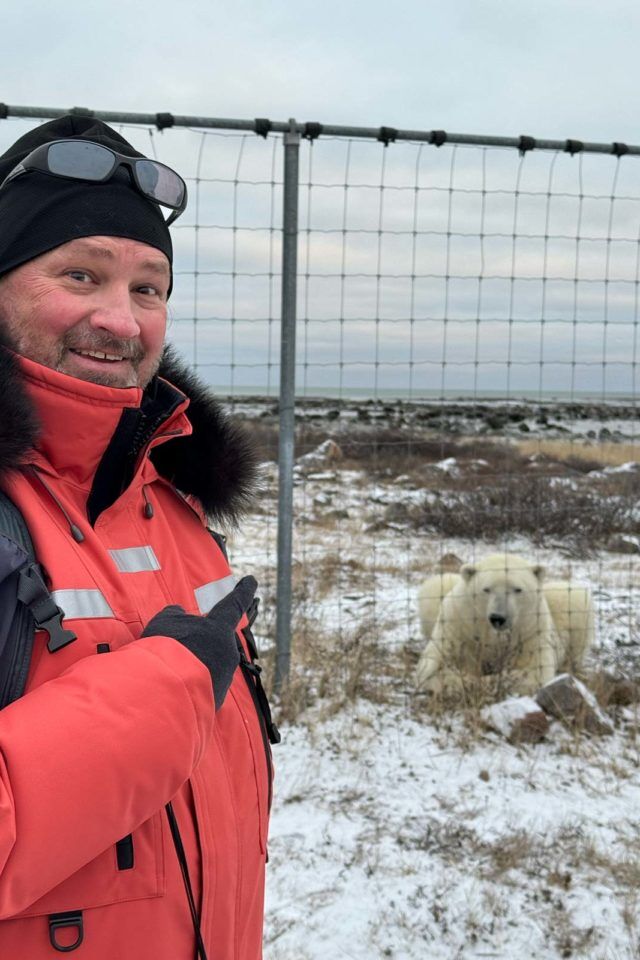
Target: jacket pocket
(103,881)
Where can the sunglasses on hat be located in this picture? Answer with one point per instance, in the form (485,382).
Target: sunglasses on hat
(85,160)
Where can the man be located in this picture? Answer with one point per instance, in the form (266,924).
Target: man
(114,454)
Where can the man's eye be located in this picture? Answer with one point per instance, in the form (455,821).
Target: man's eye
(80,275)
(149,290)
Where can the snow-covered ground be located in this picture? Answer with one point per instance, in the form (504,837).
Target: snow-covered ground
(391,838)
(399,834)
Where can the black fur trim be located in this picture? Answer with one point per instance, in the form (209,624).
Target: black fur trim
(18,421)
(217,463)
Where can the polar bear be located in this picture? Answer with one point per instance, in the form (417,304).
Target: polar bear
(430,596)
(498,618)
(571,608)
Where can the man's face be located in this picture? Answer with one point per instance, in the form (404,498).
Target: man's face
(95,295)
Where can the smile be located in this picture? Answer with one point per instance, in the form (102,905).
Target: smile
(99,355)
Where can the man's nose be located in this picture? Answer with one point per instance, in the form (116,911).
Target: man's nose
(115,314)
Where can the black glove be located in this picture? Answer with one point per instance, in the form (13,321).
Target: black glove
(212,638)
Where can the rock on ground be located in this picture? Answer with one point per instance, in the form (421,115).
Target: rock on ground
(569,700)
(518,719)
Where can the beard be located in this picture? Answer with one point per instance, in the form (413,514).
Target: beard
(25,339)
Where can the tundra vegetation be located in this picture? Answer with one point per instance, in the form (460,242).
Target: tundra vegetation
(426,830)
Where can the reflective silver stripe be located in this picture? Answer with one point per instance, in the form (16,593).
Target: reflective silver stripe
(82,604)
(135,559)
(210,593)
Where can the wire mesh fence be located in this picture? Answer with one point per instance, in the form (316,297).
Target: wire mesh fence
(472,311)
(466,364)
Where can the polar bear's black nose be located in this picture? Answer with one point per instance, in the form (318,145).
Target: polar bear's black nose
(497,621)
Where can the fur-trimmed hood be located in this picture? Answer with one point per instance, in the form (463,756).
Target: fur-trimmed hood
(18,420)
(216,464)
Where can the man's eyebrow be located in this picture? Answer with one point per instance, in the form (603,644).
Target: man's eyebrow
(159,266)
(156,266)
(85,247)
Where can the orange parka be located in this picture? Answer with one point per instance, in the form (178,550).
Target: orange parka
(113,484)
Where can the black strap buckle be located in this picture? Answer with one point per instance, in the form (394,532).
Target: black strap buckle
(61,921)
(59,636)
(253,671)
(44,610)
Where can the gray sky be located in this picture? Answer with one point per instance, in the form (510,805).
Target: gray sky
(545,67)
(559,69)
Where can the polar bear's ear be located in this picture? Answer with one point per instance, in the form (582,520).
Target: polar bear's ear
(467,571)
(539,572)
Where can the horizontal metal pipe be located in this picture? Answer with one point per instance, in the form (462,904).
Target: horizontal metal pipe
(326,130)
(149,119)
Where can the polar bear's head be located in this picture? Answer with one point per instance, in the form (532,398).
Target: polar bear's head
(505,590)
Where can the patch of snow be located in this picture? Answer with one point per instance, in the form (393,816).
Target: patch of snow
(392,839)
(632,466)
(449,465)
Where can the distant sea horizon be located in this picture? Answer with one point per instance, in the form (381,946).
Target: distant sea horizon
(414,396)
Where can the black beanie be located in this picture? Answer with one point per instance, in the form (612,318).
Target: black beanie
(39,212)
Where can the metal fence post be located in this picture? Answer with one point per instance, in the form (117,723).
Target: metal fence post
(287,402)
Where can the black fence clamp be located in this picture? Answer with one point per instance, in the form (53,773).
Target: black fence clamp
(525,144)
(63,921)
(573,146)
(4,111)
(164,121)
(437,137)
(387,135)
(312,131)
(262,127)
(619,149)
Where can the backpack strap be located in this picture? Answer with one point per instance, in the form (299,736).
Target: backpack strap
(25,604)
(13,526)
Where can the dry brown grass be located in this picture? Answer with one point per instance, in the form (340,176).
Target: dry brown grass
(556,859)
(332,668)
(331,571)
(602,454)
(625,871)
(474,694)
(401,448)
(332,664)
(511,852)
(580,516)
(382,448)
